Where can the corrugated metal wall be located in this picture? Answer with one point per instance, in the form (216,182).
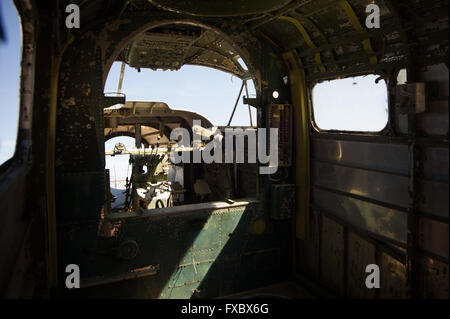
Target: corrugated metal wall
(361,205)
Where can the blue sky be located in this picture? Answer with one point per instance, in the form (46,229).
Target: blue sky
(207,91)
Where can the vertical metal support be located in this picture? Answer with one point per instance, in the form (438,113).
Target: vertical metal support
(98,111)
(50,168)
(137,135)
(413,228)
(412,264)
(249,110)
(2,33)
(302,154)
(237,101)
(107,206)
(122,71)
(161,129)
(345,266)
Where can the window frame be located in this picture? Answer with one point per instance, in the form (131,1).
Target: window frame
(317,129)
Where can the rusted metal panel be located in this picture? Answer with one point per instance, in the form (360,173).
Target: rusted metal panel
(433,237)
(435,163)
(231,8)
(309,251)
(435,278)
(434,199)
(393,278)
(332,255)
(437,74)
(410,98)
(435,120)
(282,201)
(383,187)
(360,253)
(382,221)
(208,248)
(280,117)
(81,202)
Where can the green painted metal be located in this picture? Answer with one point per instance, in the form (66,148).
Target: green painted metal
(197,254)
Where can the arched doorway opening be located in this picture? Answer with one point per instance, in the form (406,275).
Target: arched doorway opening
(167,49)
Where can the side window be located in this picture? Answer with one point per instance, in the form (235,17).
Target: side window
(10,55)
(355,104)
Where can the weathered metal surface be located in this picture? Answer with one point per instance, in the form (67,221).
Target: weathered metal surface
(82,202)
(365,184)
(247,176)
(333,255)
(150,113)
(433,237)
(282,198)
(309,251)
(358,250)
(392,158)
(149,135)
(383,187)
(360,253)
(413,34)
(434,199)
(435,279)
(410,98)
(214,269)
(219,9)
(379,220)
(170,49)
(280,117)
(393,278)
(435,120)
(201,244)
(435,163)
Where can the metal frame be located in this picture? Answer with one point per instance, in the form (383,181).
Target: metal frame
(366,133)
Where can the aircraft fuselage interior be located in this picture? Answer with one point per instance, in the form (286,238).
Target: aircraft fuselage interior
(337,186)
